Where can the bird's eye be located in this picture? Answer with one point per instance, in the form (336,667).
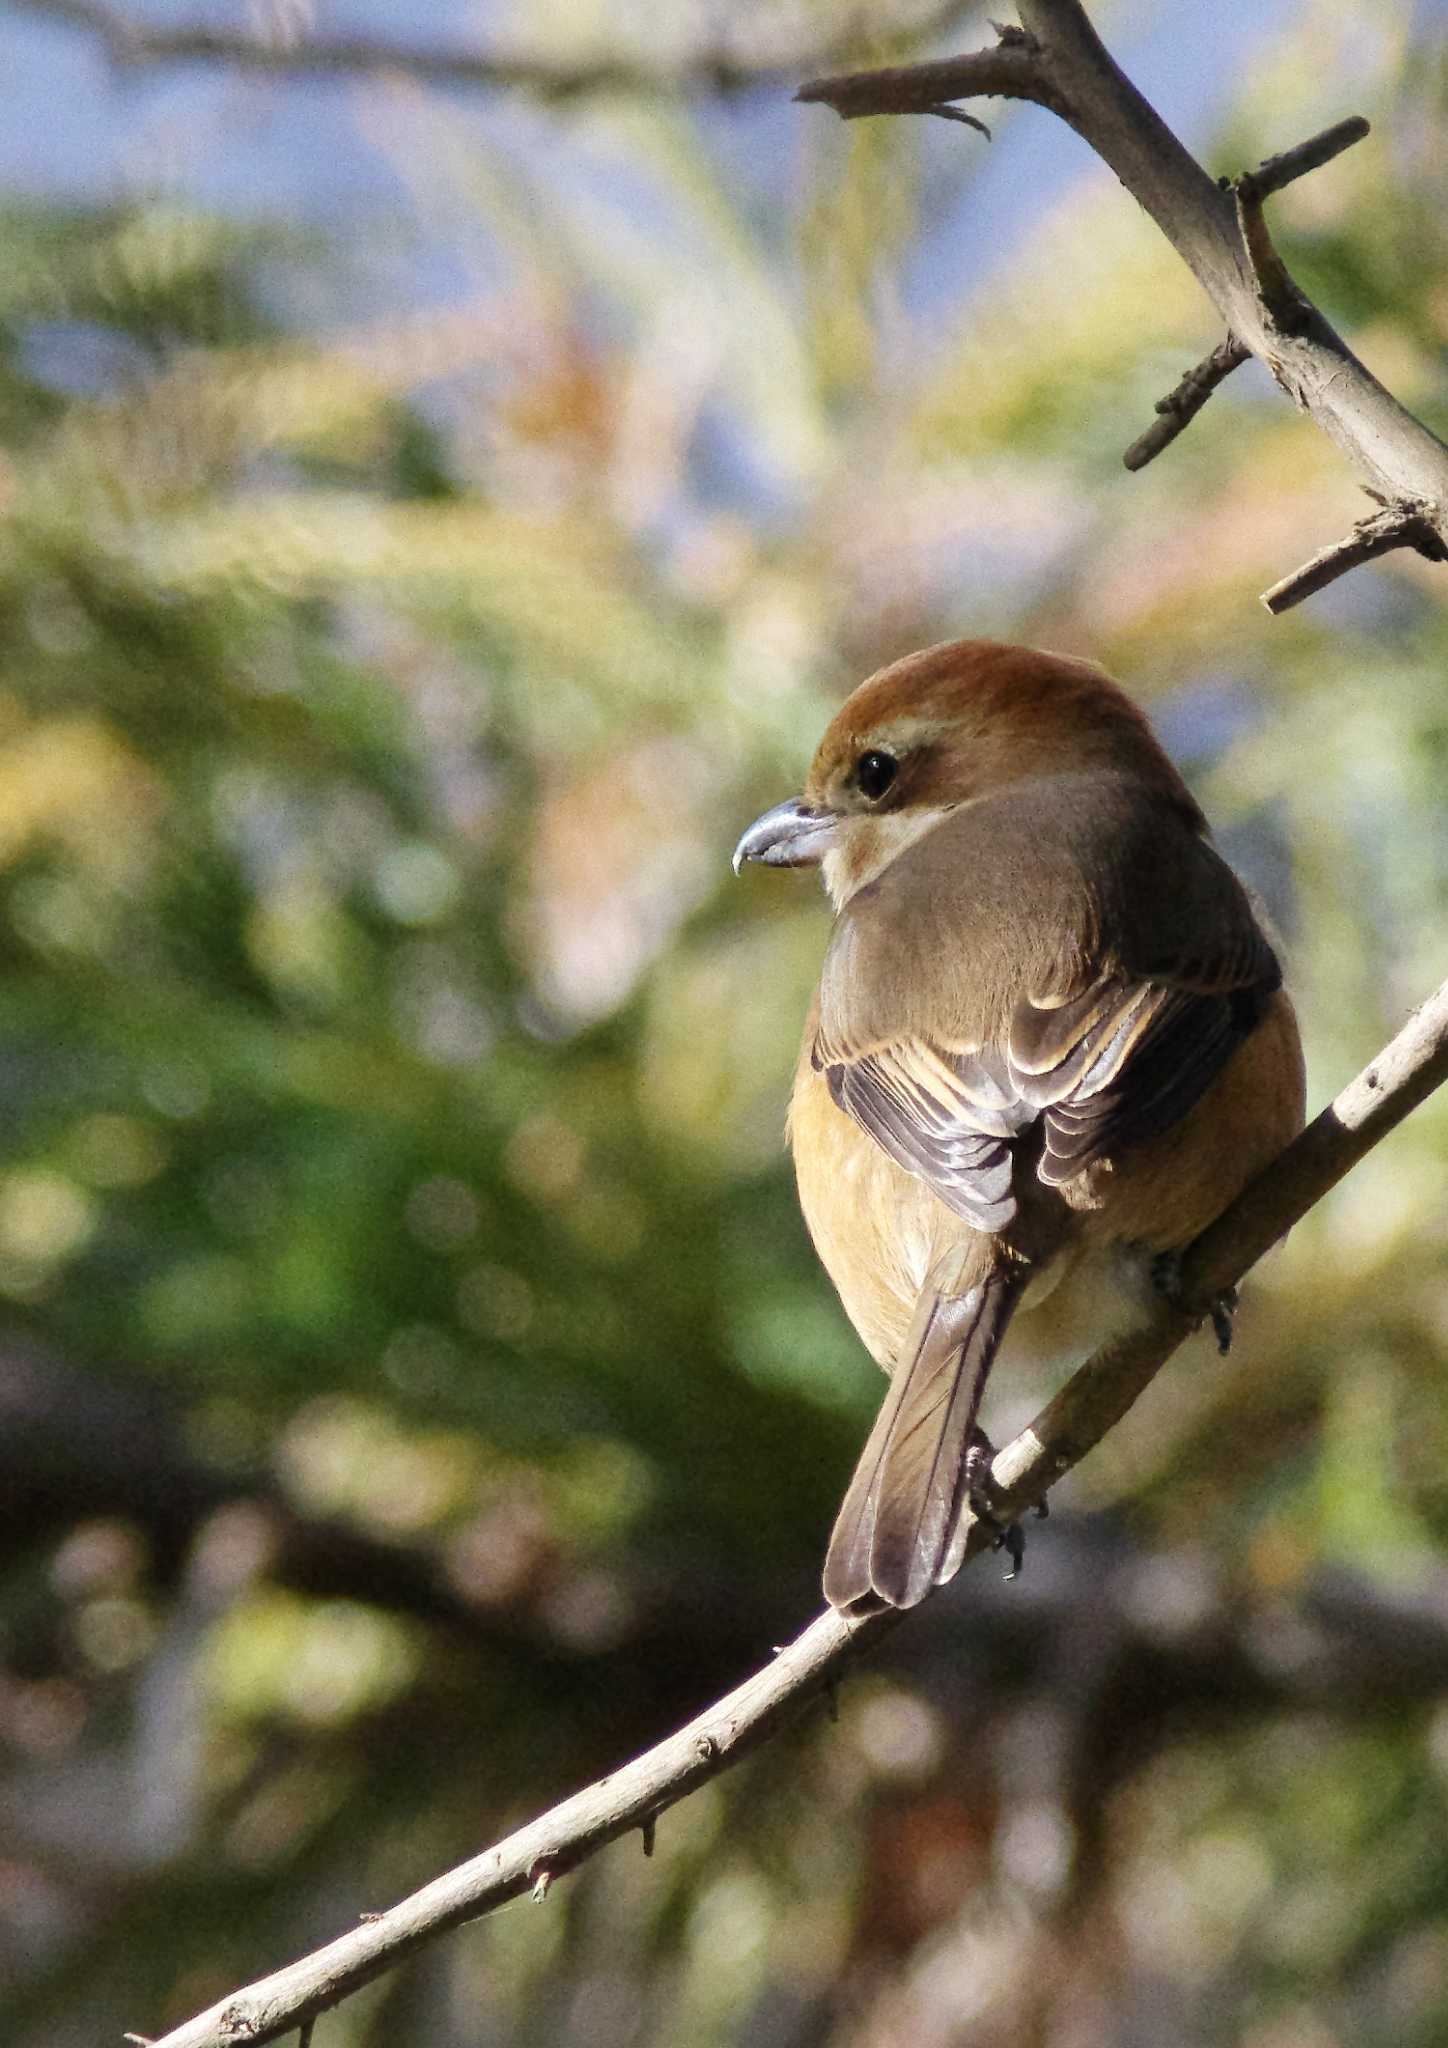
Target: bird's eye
(875,772)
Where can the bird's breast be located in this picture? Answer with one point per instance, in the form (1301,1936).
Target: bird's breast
(877,1229)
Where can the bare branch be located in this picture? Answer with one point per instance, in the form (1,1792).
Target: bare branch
(1008,72)
(1091,1402)
(1182,404)
(1059,62)
(1404,525)
(129,41)
(1307,156)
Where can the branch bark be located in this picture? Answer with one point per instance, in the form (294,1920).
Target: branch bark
(1396,526)
(1092,1402)
(1059,62)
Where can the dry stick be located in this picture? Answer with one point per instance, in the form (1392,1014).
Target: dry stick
(1277,171)
(1059,62)
(1182,404)
(1402,525)
(131,41)
(1091,1402)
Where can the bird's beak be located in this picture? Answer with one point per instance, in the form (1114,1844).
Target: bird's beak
(789,836)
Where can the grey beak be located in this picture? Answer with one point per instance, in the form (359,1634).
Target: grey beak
(789,836)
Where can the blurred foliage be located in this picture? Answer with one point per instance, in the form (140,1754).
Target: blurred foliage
(409,1341)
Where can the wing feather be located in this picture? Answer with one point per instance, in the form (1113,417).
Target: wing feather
(1100,1072)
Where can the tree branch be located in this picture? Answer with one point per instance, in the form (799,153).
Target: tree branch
(1009,72)
(1091,1402)
(1404,525)
(1060,63)
(1181,405)
(1185,400)
(128,42)
(1277,171)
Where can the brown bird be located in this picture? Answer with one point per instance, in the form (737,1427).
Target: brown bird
(1050,1043)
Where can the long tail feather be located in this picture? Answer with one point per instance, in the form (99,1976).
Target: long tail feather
(892,1534)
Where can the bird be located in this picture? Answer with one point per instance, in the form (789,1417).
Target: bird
(1050,1043)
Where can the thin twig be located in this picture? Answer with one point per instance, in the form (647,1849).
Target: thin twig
(1277,171)
(1182,404)
(130,41)
(1091,1402)
(1404,525)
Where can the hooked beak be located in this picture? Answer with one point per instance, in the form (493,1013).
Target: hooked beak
(789,836)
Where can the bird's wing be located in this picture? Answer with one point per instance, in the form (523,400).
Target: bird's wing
(1117,1055)
(946,1115)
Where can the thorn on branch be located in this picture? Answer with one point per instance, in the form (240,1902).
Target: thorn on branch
(304,2032)
(1182,404)
(1407,523)
(647,1829)
(959,114)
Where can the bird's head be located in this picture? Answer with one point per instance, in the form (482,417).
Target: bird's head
(944,728)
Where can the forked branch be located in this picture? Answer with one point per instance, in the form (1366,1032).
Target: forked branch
(1058,61)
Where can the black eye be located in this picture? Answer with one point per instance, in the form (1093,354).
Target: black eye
(875,772)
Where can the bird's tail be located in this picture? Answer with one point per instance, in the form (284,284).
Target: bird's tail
(892,1536)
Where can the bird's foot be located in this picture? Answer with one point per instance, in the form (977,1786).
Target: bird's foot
(1166,1278)
(1009,1536)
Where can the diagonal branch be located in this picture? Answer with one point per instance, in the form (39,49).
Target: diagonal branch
(1185,400)
(1404,525)
(1091,1402)
(1010,72)
(1059,62)
(130,40)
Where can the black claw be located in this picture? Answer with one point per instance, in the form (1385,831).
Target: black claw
(1221,1312)
(1166,1277)
(975,1475)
